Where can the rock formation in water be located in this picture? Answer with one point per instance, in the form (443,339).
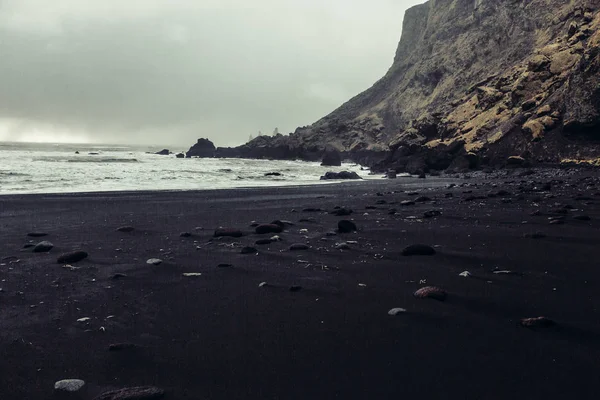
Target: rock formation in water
(203,148)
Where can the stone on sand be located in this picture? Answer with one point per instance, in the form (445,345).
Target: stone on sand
(133,393)
(432,214)
(37,234)
(69,385)
(228,232)
(299,246)
(345,226)
(154,261)
(72,257)
(431,292)
(268,228)
(249,250)
(126,229)
(43,247)
(537,322)
(396,311)
(418,250)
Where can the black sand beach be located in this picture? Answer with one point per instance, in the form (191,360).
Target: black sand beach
(220,335)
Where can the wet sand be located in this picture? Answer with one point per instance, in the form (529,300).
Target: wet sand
(220,335)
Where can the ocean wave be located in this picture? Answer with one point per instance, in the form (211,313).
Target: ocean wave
(103,160)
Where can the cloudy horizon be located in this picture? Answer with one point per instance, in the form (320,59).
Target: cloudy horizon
(158,72)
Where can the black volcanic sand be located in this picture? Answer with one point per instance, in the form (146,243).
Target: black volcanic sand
(319,328)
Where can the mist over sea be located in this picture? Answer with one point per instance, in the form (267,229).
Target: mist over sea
(56,168)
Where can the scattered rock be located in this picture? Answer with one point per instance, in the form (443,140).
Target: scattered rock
(154,261)
(342,246)
(295,288)
(163,152)
(126,229)
(431,292)
(340,175)
(465,274)
(69,385)
(180,155)
(537,322)
(299,246)
(407,203)
(263,241)
(273,174)
(228,232)
(280,224)
(341,212)
(422,199)
(121,346)
(345,226)
(582,217)
(418,250)
(396,311)
(37,234)
(185,234)
(263,284)
(432,214)
(43,247)
(133,393)
(249,250)
(72,257)
(119,276)
(268,228)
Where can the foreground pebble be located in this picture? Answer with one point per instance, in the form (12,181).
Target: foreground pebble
(537,322)
(133,393)
(345,226)
(299,246)
(69,385)
(43,247)
(71,257)
(431,292)
(268,228)
(228,232)
(418,250)
(154,261)
(396,311)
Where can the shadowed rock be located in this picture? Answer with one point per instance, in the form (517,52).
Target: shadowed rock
(268,228)
(228,232)
(43,247)
(345,226)
(418,250)
(72,257)
(537,322)
(431,292)
(133,393)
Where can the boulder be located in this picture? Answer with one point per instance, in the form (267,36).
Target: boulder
(203,148)
(332,158)
(72,257)
(345,226)
(228,232)
(180,155)
(163,152)
(268,228)
(43,247)
(340,175)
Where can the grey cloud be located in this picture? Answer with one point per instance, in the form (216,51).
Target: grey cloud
(163,72)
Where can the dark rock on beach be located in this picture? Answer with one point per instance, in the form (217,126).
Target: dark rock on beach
(268,228)
(345,226)
(418,250)
(228,232)
(72,257)
(163,152)
(133,393)
(248,250)
(43,247)
(126,229)
(431,292)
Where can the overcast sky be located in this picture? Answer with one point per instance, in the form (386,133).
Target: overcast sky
(170,71)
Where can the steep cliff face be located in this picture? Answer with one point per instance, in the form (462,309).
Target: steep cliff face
(481,79)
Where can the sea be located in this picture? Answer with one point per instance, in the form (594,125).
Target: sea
(74,168)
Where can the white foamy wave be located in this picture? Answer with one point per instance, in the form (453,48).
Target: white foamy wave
(55,168)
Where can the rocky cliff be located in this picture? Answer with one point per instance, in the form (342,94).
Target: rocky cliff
(472,83)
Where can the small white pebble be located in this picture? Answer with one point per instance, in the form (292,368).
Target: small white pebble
(84,319)
(396,311)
